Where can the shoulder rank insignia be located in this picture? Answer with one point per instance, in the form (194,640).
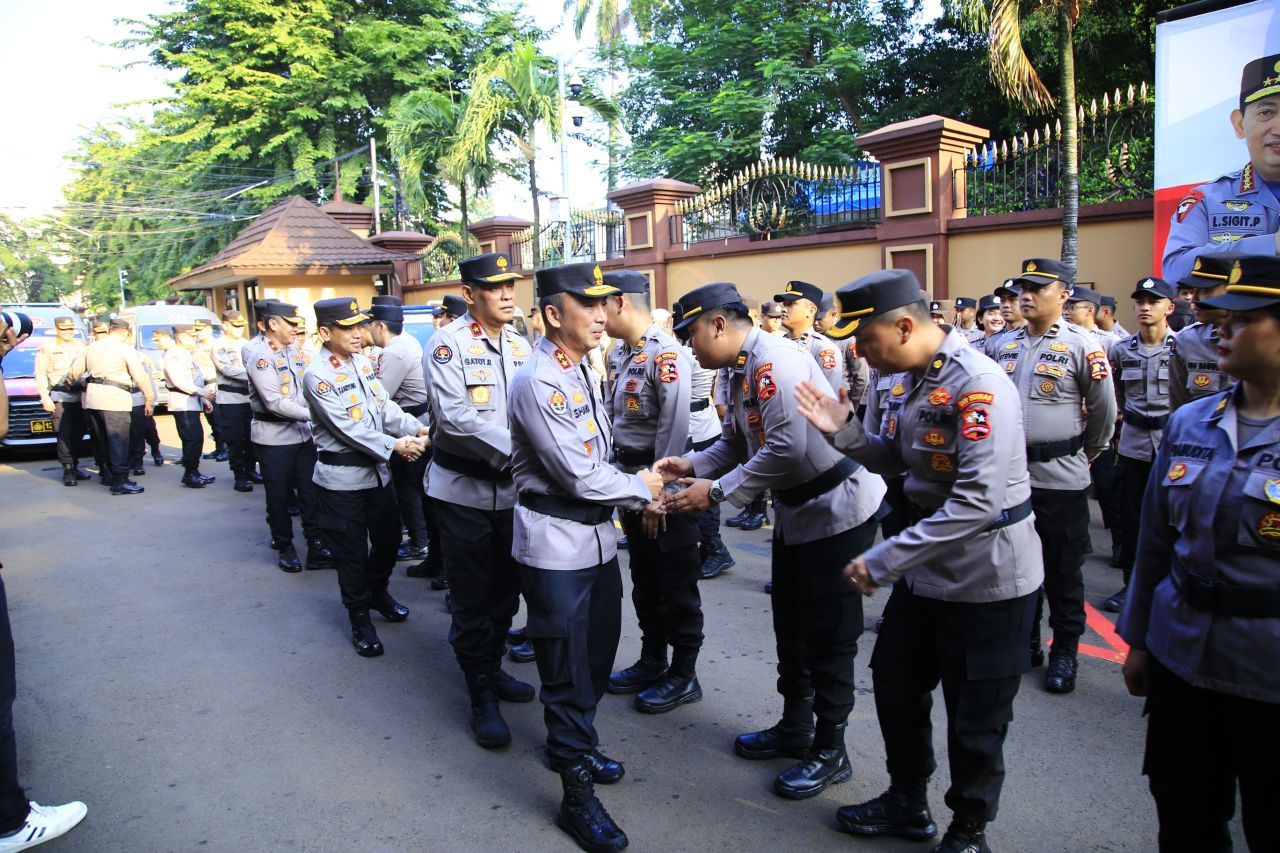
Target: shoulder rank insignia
(742,360)
(334,363)
(476,331)
(563,361)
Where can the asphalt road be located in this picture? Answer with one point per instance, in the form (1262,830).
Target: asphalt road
(199,699)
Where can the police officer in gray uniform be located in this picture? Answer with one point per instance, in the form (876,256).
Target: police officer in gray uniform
(468,369)
(964,575)
(967,320)
(234,415)
(800,303)
(1107,321)
(988,315)
(650,376)
(825,508)
(1008,293)
(191,393)
(398,366)
(1193,365)
(281,432)
(1140,364)
(1238,212)
(564,540)
(357,428)
(1202,617)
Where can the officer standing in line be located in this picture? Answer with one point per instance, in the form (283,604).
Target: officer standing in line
(1009,293)
(468,369)
(60,396)
(1239,212)
(1193,365)
(1203,613)
(937,314)
(989,319)
(190,393)
(1140,364)
(357,427)
(800,303)
(112,369)
(967,320)
(648,403)
(98,332)
(150,434)
(451,308)
(564,540)
(1082,311)
(771,318)
(281,432)
(825,506)
(964,575)
(399,369)
(1056,368)
(142,424)
(1107,321)
(232,408)
(202,354)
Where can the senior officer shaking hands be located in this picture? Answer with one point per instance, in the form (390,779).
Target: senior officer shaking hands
(564,538)
(964,574)
(825,509)
(357,428)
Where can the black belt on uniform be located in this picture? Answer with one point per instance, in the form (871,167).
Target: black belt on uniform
(233,389)
(625,456)
(1225,600)
(416,409)
(350,458)
(114,384)
(1145,421)
(1012,515)
(65,388)
(272,417)
(819,485)
(570,509)
(470,467)
(699,405)
(1054,449)
(703,445)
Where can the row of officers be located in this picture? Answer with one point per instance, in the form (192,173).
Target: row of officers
(972,458)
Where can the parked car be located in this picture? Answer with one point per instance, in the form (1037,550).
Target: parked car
(29,424)
(420,321)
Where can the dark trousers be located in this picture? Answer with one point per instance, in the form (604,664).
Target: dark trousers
(759,505)
(1201,744)
(575,619)
(191,434)
(664,589)
(215,431)
(1062,522)
(112,431)
(978,652)
(817,619)
(137,436)
(362,531)
(484,582)
(13,802)
(1134,474)
(406,476)
(68,422)
(97,444)
(897,515)
(233,426)
(286,469)
(1106,490)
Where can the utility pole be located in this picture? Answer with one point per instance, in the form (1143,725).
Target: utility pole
(123,275)
(564,160)
(377,201)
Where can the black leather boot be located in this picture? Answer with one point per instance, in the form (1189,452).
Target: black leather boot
(511,689)
(363,636)
(288,560)
(965,835)
(490,729)
(791,737)
(642,674)
(891,813)
(669,693)
(319,556)
(1060,677)
(826,764)
(716,561)
(603,769)
(391,610)
(583,816)
(69,476)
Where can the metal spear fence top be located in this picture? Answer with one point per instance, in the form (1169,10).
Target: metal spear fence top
(1116,159)
(593,235)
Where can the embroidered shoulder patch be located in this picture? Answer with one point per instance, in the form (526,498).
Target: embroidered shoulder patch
(827,358)
(939,396)
(668,371)
(558,403)
(1189,201)
(442,354)
(766,387)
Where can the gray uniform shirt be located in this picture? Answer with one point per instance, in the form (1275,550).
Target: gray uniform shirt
(1193,365)
(766,444)
(956,432)
(648,398)
(468,375)
(857,374)
(974,335)
(399,368)
(185,379)
(113,360)
(560,445)
(1142,386)
(827,355)
(275,388)
(1054,374)
(351,411)
(53,360)
(233,379)
(704,424)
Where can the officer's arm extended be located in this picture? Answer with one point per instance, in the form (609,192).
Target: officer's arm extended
(345,423)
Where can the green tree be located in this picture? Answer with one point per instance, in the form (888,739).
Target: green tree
(33,264)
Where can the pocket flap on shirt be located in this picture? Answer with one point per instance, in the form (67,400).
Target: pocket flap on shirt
(1264,486)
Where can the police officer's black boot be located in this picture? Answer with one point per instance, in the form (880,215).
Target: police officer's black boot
(288,560)
(792,737)
(391,610)
(716,559)
(965,835)
(1061,674)
(898,811)
(80,473)
(440,580)
(486,720)
(641,675)
(826,764)
(69,476)
(511,689)
(363,636)
(583,816)
(318,555)
(679,687)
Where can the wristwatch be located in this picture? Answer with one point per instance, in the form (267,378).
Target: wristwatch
(717,493)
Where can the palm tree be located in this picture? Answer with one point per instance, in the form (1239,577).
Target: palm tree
(511,94)
(1014,74)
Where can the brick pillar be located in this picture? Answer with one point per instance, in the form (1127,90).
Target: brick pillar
(917,161)
(408,269)
(647,208)
(494,234)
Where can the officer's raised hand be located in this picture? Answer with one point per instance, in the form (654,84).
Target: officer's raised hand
(828,415)
(857,576)
(408,446)
(695,498)
(673,467)
(652,480)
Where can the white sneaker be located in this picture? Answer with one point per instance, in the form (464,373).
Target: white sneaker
(44,823)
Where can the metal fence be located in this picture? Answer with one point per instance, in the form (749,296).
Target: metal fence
(1116,160)
(588,236)
(781,198)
